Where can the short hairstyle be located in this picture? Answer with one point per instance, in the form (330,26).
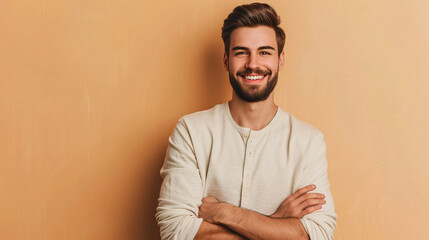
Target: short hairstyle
(252,15)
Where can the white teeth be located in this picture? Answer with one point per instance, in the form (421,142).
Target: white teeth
(253,77)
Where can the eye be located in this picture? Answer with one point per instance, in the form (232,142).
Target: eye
(240,53)
(265,53)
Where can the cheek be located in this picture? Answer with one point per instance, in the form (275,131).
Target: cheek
(270,63)
(235,66)
(272,66)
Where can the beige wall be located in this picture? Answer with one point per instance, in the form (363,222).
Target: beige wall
(90,91)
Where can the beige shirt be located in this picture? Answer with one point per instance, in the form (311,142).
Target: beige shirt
(210,154)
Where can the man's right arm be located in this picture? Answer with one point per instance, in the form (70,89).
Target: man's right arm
(182,192)
(182,188)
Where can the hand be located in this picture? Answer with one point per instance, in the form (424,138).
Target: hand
(300,203)
(209,209)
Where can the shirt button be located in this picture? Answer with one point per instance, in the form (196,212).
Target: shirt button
(246,135)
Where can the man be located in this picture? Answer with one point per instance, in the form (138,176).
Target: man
(246,169)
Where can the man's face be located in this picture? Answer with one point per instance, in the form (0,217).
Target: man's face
(253,62)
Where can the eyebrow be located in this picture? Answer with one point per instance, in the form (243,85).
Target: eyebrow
(245,48)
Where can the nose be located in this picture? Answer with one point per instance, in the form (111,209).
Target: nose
(252,61)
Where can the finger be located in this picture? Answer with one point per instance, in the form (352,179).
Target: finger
(311,202)
(307,196)
(302,191)
(311,209)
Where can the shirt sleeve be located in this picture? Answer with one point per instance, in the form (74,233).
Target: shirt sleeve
(181,191)
(321,223)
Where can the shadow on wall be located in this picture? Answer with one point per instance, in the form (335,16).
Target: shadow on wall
(142,223)
(215,90)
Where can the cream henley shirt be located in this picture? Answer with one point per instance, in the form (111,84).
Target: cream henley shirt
(209,154)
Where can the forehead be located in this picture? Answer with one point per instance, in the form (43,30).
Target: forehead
(253,37)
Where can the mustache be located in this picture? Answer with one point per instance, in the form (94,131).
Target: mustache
(248,71)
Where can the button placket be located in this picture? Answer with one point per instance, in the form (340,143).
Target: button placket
(249,168)
(245,194)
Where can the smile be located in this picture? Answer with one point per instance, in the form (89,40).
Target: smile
(257,77)
(253,78)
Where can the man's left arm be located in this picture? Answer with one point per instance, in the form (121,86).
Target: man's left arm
(321,223)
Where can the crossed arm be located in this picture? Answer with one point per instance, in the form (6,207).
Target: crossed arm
(182,190)
(225,221)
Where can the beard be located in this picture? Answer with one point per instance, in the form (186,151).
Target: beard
(253,93)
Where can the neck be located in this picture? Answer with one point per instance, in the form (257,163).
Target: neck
(253,115)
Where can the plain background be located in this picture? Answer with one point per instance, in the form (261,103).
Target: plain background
(91,90)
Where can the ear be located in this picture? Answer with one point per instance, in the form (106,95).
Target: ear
(281,60)
(225,61)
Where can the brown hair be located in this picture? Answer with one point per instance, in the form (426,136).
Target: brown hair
(252,15)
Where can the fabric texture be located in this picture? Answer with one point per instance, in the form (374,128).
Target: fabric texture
(209,154)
